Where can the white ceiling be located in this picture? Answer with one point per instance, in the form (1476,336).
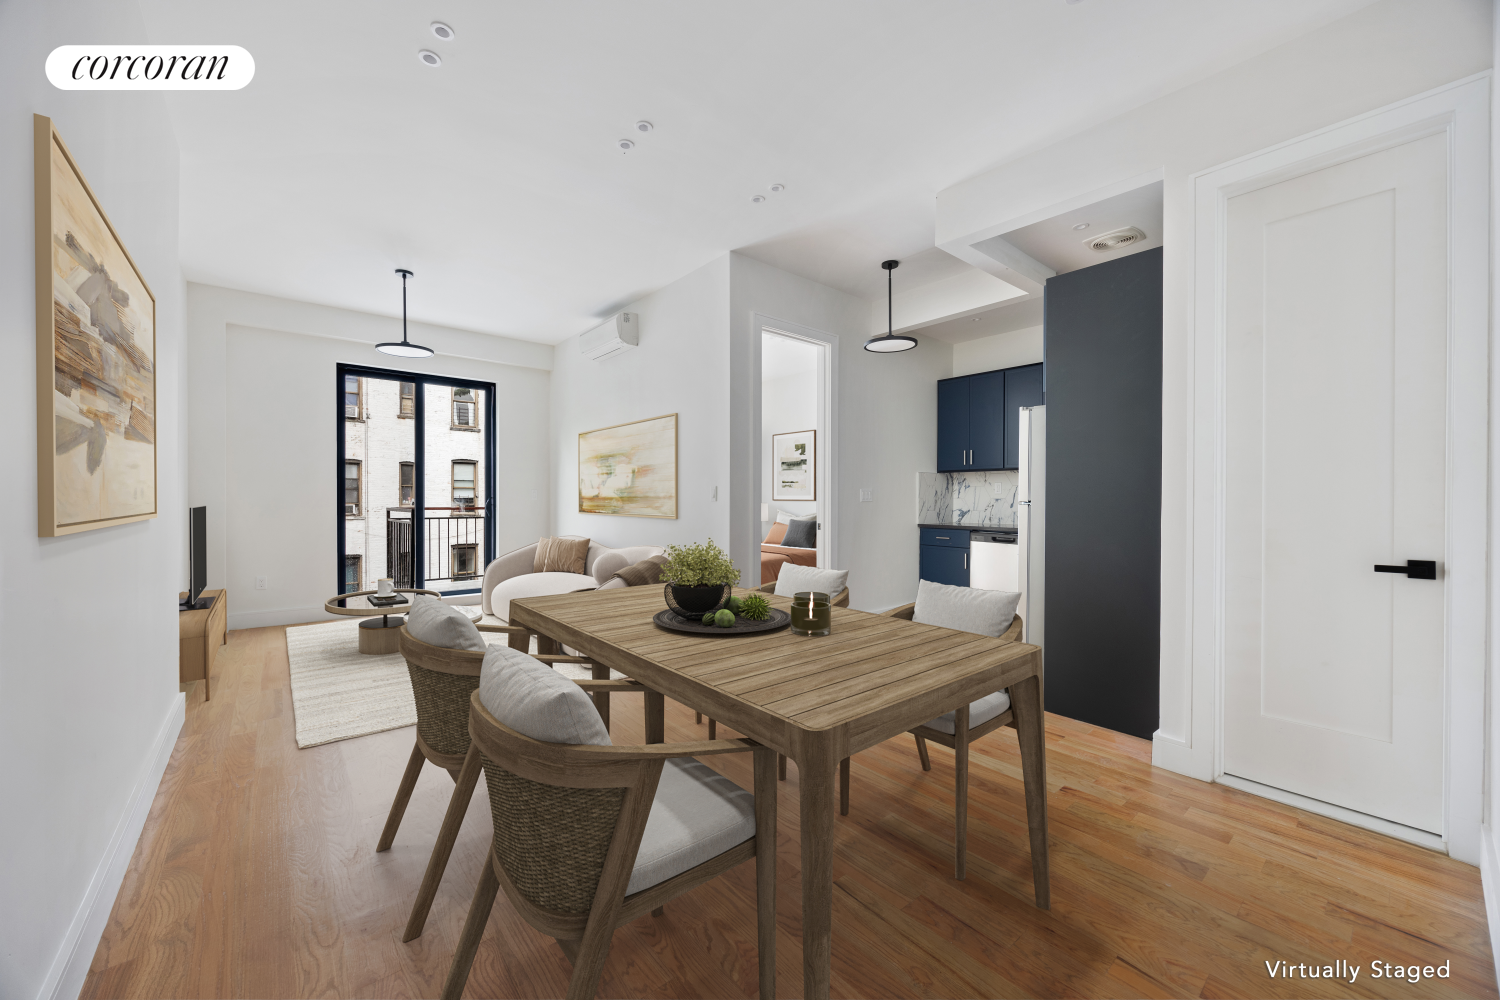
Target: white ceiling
(1057,244)
(497,180)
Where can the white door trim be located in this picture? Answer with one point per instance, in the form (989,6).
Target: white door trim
(1461,111)
(828,441)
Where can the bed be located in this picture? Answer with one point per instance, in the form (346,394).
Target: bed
(774,555)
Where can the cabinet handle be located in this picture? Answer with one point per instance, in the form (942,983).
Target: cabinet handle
(966,560)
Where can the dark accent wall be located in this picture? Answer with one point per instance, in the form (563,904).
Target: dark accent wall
(1102,329)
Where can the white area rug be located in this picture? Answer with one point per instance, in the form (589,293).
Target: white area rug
(339,693)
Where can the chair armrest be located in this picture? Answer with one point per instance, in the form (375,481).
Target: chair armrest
(511,629)
(501,568)
(666,751)
(550,658)
(905,611)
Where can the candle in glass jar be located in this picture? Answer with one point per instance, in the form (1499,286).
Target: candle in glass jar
(811,614)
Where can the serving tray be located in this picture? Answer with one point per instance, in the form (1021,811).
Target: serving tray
(673,622)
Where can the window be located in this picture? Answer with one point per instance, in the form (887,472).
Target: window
(464,409)
(463,484)
(408,483)
(465,561)
(351,489)
(408,399)
(352,398)
(351,574)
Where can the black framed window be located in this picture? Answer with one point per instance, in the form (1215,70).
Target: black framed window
(408,483)
(351,489)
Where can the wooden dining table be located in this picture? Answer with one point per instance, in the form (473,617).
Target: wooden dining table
(815,699)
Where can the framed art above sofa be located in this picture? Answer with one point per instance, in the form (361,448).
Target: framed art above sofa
(629,469)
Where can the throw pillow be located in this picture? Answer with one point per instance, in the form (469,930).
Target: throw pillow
(801,534)
(438,624)
(537,701)
(776,534)
(561,555)
(782,517)
(793,579)
(645,572)
(985,612)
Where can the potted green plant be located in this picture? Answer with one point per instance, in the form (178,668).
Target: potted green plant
(699,578)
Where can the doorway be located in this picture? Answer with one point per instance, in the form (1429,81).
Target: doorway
(416,474)
(795,448)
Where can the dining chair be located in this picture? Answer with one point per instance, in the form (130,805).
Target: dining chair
(955,730)
(589,836)
(442,680)
(840,600)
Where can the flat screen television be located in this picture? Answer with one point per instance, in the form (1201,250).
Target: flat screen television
(197,560)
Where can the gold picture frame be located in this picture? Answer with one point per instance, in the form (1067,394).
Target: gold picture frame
(629,469)
(95,357)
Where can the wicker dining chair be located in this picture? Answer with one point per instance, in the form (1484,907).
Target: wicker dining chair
(449,677)
(840,600)
(958,741)
(568,824)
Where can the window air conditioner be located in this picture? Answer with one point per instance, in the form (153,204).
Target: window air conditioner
(351,510)
(620,332)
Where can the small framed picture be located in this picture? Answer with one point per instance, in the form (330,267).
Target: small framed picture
(794,466)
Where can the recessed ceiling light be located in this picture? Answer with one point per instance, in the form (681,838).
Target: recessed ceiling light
(430,57)
(643,126)
(1081,226)
(442,30)
(757,198)
(777,188)
(626,145)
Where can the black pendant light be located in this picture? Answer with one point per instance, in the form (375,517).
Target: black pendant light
(890,343)
(405,349)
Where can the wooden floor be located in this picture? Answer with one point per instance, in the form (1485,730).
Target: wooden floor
(256,877)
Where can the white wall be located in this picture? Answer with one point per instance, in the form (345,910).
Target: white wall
(1003,350)
(262,411)
(682,367)
(89,706)
(1382,53)
(886,416)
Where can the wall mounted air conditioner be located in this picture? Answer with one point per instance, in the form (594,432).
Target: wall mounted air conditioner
(621,332)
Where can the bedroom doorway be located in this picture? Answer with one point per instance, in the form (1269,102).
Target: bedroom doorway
(795,449)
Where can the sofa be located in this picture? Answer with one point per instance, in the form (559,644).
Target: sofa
(510,576)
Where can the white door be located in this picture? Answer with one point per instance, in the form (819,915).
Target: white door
(1335,395)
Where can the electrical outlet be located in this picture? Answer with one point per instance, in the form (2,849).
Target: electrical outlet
(866,496)
(260,583)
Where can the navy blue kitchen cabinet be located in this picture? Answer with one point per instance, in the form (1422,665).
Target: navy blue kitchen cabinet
(945,564)
(1023,387)
(979,417)
(953,424)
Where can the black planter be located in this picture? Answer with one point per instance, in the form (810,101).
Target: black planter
(697,601)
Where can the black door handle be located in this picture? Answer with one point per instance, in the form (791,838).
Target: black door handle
(1415,569)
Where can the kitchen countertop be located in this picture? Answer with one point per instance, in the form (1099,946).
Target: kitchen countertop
(968,527)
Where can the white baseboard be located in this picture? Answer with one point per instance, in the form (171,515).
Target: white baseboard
(71,966)
(1489,880)
(1174,755)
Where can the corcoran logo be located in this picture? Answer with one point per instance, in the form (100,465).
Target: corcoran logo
(150,67)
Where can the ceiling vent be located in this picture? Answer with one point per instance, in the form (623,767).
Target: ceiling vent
(1105,242)
(621,332)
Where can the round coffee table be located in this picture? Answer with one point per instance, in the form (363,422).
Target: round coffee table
(381,631)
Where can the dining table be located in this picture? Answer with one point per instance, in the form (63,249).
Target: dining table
(815,699)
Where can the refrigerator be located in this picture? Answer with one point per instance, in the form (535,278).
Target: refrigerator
(1031,525)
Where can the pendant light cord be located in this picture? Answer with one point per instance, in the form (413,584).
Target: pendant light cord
(403,308)
(890,300)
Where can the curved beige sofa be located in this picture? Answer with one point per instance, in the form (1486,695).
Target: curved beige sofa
(510,576)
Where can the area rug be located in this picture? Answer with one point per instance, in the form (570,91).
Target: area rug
(339,693)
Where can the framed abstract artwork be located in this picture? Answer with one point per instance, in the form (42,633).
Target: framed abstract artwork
(95,357)
(794,466)
(629,469)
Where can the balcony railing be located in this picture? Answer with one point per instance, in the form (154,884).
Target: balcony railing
(454,539)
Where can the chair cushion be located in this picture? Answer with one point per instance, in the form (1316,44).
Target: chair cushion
(794,578)
(437,624)
(536,585)
(966,609)
(980,712)
(801,534)
(560,555)
(537,701)
(697,814)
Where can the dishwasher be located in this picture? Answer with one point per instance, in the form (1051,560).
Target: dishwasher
(995,560)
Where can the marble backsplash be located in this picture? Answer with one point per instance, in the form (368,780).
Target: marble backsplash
(981,499)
